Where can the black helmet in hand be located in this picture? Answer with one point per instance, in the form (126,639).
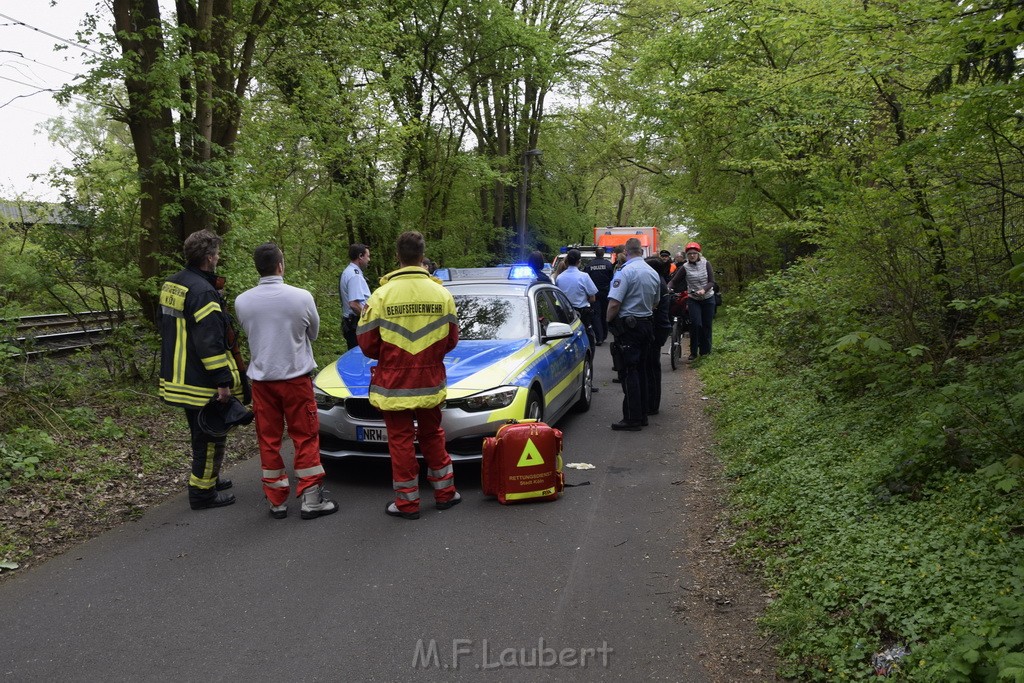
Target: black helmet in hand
(217,418)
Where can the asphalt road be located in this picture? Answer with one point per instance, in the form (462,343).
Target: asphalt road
(580,589)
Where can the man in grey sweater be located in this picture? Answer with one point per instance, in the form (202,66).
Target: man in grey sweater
(281,322)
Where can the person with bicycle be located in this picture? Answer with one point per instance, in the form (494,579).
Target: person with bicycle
(698,278)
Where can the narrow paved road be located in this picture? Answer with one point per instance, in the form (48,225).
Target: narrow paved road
(478,592)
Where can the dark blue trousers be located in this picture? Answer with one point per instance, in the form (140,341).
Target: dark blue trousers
(702,313)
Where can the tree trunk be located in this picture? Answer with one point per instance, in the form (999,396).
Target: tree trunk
(137,25)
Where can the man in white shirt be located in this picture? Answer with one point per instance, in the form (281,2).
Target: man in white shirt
(281,322)
(354,291)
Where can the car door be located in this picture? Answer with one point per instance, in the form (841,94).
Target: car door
(580,344)
(561,356)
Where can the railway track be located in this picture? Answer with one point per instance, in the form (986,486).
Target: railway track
(62,333)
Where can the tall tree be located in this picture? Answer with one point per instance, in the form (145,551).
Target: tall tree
(179,86)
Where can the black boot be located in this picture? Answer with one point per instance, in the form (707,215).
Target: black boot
(201,499)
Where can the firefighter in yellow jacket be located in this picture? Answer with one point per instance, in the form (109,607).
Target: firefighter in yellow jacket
(408,325)
(196,363)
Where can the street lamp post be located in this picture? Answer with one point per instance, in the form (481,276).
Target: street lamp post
(523,191)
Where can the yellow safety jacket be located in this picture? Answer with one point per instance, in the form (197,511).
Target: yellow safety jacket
(409,324)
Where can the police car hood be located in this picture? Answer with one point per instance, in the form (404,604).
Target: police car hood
(472,366)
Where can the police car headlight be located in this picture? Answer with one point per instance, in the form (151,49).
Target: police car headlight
(492,399)
(325,401)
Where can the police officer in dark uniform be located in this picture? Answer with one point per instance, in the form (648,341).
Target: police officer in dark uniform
(631,302)
(600,271)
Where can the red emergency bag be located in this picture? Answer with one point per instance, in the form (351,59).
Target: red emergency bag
(523,462)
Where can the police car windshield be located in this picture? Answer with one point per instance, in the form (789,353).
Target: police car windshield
(485,316)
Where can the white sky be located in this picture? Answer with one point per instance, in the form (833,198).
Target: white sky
(29,69)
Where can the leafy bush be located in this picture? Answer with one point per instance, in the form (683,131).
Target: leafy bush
(21,452)
(872,514)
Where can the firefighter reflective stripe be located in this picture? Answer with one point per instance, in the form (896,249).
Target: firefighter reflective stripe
(209,478)
(412,483)
(405,332)
(212,307)
(394,396)
(309,471)
(216,362)
(277,484)
(408,495)
(185,394)
(272,474)
(236,377)
(180,344)
(445,471)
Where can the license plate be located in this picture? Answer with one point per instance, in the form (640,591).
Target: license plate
(376,434)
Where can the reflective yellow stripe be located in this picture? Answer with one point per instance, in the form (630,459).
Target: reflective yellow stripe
(212,307)
(186,394)
(180,344)
(216,362)
(209,479)
(198,483)
(529,494)
(406,399)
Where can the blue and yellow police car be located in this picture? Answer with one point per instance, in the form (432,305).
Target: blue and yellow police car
(522,353)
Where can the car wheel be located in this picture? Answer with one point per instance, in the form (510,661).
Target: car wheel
(586,389)
(534,407)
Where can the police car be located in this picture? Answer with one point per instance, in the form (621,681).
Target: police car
(522,353)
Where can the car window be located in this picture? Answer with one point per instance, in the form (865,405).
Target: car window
(492,317)
(566,313)
(546,312)
(552,307)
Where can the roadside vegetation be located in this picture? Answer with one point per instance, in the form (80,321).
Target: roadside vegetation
(881,493)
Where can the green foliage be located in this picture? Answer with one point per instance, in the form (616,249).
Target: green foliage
(21,453)
(870,513)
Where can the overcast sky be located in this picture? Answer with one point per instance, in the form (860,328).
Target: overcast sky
(29,70)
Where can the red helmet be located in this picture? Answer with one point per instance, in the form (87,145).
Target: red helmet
(692,245)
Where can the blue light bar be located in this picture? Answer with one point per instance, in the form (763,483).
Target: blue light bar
(443,274)
(521,272)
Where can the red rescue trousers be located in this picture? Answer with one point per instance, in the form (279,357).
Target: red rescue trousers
(405,471)
(276,403)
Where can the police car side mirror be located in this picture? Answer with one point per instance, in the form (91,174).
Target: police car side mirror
(557,331)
